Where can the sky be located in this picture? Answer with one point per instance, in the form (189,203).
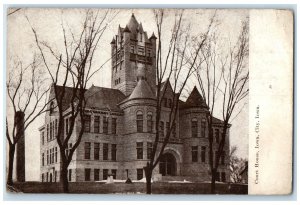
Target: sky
(47,22)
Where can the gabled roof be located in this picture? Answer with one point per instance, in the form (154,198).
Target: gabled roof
(67,95)
(216,121)
(195,100)
(142,90)
(104,98)
(165,84)
(96,97)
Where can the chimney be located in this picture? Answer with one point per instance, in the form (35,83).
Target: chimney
(20,147)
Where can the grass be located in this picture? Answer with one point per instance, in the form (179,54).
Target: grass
(122,188)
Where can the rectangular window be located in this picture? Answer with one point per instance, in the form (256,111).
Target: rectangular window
(203,128)
(194,128)
(105,125)
(43,159)
(217,176)
(97,124)
(55,176)
(70,175)
(43,138)
(50,131)
(47,156)
(96,151)
(167,127)
(87,150)
(114,173)
(113,125)
(141,50)
(223,177)
(149,149)
(223,158)
(105,174)
(68,149)
(149,123)
(139,150)
(87,174)
(96,174)
(161,129)
(47,177)
(53,130)
(55,154)
(56,127)
(43,177)
(148,52)
(87,123)
(203,153)
(174,130)
(131,48)
(105,151)
(139,122)
(216,154)
(139,174)
(50,156)
(194,153)
(67,126)
(113,152)
(217,135)
(170,103)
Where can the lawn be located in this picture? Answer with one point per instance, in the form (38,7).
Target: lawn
(134,188)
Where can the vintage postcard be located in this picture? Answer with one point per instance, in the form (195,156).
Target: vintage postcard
(149,101)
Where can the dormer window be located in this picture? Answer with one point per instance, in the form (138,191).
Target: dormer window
(51,107)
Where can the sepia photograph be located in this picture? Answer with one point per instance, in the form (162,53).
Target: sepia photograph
(127,101)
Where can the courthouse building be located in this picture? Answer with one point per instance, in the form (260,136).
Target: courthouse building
(119,125)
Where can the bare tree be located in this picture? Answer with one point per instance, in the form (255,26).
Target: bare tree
(12,11)
(74,68)
(222,77)
(173,67)
(236,166)
(27,92)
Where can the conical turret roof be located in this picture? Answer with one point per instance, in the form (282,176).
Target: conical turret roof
(142,90)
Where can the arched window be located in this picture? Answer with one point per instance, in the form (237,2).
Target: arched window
(203,127)
(194,127)
(51,107)
(139,121)
(149,122)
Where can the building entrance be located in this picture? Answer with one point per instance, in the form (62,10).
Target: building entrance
(167,165)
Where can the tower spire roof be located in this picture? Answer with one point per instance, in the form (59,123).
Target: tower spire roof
(153,36)
(141,30)
(126,29)
(113,41)
(133,24)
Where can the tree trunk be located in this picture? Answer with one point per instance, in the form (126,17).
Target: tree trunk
(148,173)
(213,182)
(64,178)
(12,148)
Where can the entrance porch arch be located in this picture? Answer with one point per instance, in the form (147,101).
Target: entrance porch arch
(169,163)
